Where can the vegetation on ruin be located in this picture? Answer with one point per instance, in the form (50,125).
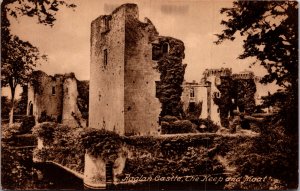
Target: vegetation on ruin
(270,29)
(179,126)
(102,143)
(273,44)
(62,145)
(83,98)
(193,111)
(242,94)
(180,155)
(172,71)
(44,117)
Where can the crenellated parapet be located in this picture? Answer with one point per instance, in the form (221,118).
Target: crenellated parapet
(217,72)
(243,75)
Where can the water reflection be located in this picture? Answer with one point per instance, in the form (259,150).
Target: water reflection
(18,172)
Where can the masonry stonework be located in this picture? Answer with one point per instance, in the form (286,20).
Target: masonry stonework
(56,97)
(45,95)
(70,107)
(124,73)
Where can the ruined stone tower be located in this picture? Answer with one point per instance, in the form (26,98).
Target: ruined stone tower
(123,78)
(55,97)
(122,96)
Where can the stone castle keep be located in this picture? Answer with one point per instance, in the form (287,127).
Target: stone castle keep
(56,97)
(124,78)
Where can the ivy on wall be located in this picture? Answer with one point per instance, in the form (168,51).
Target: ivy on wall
(35,81)
(102,143)
(235,93)
(83,98)
(172,71)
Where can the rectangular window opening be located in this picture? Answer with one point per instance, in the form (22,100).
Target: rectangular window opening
(53,90)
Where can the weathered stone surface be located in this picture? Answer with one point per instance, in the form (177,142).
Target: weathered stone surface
(55,96)
(123,73)
(70,108)
(41,98)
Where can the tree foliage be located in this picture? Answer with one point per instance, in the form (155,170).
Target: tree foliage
(21,108)
(18,57)
(270,29)
(5,106)
(17,63)
(240,97)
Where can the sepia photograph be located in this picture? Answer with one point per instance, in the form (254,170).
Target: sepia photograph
(149,95)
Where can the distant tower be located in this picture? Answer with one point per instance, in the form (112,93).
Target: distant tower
(213,78)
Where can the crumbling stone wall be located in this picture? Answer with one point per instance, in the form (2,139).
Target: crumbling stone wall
(125,75)
(71,114)
(45,94)
(56,97)
(140,103)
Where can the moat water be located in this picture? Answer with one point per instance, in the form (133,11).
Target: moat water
(19,172)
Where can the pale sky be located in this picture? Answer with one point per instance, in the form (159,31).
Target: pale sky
(195,22)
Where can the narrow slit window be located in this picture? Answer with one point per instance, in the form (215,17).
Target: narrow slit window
(105,58)
(53,90)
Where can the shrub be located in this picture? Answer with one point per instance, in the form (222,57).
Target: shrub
(168,119)
(194,110)
(46,118)
(45,131)
(101,143)
(9,132)
(179,126)
(62,145)
(27,123)
(181,155)
(209,124)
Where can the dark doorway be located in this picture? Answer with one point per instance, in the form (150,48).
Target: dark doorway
(30,108)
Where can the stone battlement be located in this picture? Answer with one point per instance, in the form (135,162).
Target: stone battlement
(243,75)
(217,72)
